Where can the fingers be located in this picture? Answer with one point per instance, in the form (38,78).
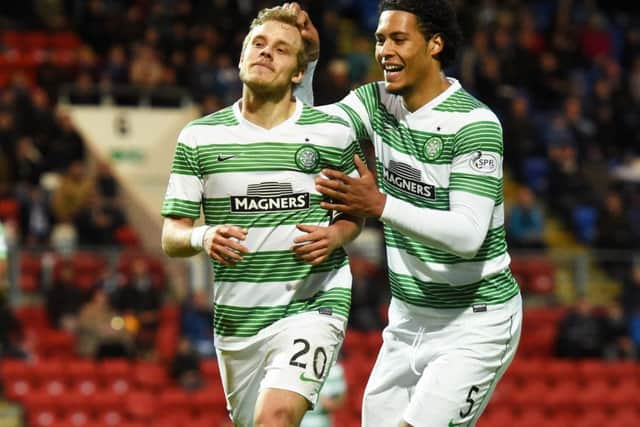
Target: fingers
(312,253)
(224,244)
(231,231)
(316,257)
(360,165)
(335,174)
(310,233)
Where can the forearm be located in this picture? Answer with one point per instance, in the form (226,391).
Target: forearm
(176,237)
(460,230)
(347,228)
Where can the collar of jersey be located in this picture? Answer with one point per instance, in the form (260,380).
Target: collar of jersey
(455,85)
(287,123)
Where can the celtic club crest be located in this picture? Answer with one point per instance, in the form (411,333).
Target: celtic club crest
(433,148)
(307,158)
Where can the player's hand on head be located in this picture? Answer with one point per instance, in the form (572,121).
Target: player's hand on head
(316,245)
(222,243)
(308,31)
(357,196)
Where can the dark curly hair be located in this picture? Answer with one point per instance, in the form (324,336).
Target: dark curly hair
(434,17)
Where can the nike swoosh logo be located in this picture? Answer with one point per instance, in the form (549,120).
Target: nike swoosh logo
(222,158)
(309,380)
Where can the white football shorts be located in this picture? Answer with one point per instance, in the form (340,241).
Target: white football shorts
(439,368)
(294,353)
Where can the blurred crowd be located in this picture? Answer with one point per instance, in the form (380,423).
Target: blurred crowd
(563,76)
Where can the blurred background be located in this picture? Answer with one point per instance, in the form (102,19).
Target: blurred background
(98,328)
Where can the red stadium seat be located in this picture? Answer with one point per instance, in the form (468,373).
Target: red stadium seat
(33,316)
(141,405)
(150,376)
(47,372)
(209,400)
(108,407)
(210,370)
(625,417)
(559,371)
(56,344)
(592,417)
(9,209)
(561,397)
(115,374)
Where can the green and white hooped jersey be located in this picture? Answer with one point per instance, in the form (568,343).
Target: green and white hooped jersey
(263,180)
(451,144)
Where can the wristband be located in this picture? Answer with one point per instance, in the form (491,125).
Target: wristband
(197,236)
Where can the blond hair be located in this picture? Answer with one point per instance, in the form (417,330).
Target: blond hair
(286,16)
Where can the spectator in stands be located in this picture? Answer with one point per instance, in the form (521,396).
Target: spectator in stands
(28,163)
(521,135)
(566,187)
(613,233)
(67,146)
(12,342)
(196,320)
(101,331)
(141,299)
(185,367)
(64,299)
(73,193)
(613,225)
(98,220)
(619,344)
(580,333)
(630,297)
(525,224)
(146,70)
(84,90)
(35,216)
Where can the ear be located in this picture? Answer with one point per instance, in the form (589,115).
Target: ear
(297,77)
(435,44)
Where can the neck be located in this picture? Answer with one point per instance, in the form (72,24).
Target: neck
(429,88)
(267,110)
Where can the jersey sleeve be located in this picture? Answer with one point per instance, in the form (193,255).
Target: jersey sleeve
(352,147)
(185,189)
(477,158)
(304,90)
(357,108)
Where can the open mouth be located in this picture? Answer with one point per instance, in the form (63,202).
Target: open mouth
(392,71)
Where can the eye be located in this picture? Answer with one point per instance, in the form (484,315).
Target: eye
(258,43)
(281,50)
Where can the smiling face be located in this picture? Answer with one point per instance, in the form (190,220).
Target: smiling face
(269,60)
(404,54)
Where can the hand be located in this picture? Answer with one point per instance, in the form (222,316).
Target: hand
(355,196)
(308,31)
(222,243)
(315,246)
